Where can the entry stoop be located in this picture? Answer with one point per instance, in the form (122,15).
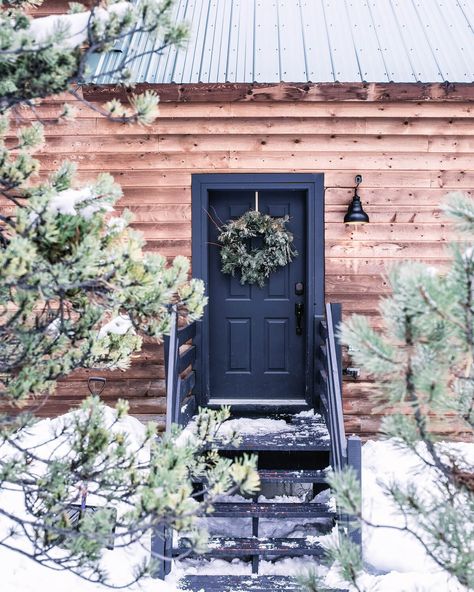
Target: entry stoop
(280,454)
(298,451)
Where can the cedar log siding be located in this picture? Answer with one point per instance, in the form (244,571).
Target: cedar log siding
(410,152)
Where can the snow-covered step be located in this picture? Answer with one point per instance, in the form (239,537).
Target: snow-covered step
(225,547)
(260,407)
(216,583)
(290,433)
(255,583)
(269,510)
(284,476)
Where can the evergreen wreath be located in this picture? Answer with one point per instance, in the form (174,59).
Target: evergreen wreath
(255,265)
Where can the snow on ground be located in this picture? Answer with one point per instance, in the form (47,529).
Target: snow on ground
(395,561)
(21,574)
(395,581)
(383,463)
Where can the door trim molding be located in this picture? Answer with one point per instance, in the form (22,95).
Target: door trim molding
(313,184)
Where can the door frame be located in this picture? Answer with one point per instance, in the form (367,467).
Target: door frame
(313,185)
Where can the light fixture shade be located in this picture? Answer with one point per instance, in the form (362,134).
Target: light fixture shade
(355,213)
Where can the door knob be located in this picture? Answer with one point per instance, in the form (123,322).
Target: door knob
(299,311)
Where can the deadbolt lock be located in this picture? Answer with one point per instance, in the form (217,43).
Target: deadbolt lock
(299,288)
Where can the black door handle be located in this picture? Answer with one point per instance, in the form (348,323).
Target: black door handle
(299,310)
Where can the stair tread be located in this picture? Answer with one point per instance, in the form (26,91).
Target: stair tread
(287,475)
(245,546)
(305,432)
(272,510)
(215,583)
(302,476)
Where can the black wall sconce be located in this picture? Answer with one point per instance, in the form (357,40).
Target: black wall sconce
(355,213)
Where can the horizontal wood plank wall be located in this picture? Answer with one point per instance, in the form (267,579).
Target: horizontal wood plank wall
(409,154)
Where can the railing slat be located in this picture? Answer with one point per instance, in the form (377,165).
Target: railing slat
(187,359)
(187,333)
(186,386)
(187,410)
(324,401)
(322,330)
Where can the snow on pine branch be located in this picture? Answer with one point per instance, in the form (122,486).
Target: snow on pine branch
(118,326)
(73,28)
(60,47)
(66,202)
(69,202)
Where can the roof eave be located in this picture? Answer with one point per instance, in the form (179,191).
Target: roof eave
(290,92)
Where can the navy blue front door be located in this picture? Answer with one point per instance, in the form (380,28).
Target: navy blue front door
(256,350)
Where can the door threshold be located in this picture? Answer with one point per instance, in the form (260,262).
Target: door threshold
(261,407)
(259,402)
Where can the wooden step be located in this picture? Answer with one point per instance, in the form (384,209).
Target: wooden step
(284,476)
(253,546)
(239,584)
(305,434)
(260,407)
(248,583)
(269,510)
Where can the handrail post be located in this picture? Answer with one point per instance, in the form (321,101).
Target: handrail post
(171,367)
(336,314)
(319,362)
(339,445)
(354,460)
(161,538)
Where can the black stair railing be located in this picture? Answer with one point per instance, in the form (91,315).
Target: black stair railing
(180,373)
(345,451)
(334,413)
(180,356)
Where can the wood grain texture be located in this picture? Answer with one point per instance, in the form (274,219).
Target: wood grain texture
(411,153)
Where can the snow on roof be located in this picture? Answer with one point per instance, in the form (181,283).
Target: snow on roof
(268,41)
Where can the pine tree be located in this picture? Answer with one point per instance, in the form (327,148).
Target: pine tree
(422,363)
(77,290)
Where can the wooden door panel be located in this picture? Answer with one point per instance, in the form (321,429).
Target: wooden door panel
(239,338)
(276,346)
(237,291)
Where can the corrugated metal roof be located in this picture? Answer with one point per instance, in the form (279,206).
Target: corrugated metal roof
(310,41)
